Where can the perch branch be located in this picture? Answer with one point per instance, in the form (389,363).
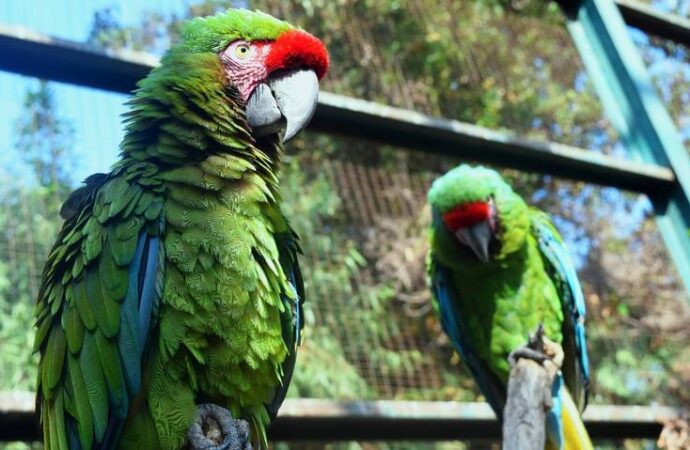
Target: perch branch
(676,433)
(533,369)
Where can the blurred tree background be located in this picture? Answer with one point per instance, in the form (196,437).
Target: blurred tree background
(360,207)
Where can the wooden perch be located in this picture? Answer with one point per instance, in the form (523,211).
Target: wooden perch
(215,429)
(533,369)
(676,434)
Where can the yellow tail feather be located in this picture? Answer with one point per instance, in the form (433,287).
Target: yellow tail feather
(575,435)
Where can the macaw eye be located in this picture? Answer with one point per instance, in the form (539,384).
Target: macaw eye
(242,51)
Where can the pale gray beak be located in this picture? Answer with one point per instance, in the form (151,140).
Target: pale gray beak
(477,237)
(286,102)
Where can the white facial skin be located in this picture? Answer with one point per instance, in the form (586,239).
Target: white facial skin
(245,65)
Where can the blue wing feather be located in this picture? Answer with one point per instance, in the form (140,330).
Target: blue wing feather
(128,338)
(454,326)
(148,290)
(563,274)
(554,419)
(136,317)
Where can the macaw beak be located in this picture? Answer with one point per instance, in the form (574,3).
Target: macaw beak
(285,103)
(287,99)
(477,237)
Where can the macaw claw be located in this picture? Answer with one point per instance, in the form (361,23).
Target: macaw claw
(215,429)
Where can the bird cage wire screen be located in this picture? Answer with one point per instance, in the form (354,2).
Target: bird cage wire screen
(360,207)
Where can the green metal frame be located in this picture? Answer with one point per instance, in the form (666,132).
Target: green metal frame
(636,111)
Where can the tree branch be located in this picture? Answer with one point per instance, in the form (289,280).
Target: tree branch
(533,369)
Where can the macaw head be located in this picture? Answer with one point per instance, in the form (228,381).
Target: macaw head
(273,67)
(480,211)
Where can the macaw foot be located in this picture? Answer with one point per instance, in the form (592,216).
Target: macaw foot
(215,429)
(539,348)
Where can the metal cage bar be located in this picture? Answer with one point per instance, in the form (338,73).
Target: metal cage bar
(328,420)
(29,53)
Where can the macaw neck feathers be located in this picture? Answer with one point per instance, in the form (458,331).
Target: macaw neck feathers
(185,111)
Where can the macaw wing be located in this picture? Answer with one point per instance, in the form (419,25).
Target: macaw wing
(562,272)
(445,300)
(292,316)
(97,302)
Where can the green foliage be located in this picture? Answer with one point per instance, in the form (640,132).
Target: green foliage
(324,372)
(18,371)
(44,140)
(29,221)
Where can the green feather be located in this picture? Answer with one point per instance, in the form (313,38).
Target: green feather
(56,295)
(120,203)
(94,380)
(212,34)
(144,203)
(52,364)
(45,419)
(112,276)
(78,266)
(136,195)
(58,422)
(116,194)
(112,369)
(123,249)
(105,308)
(81,402)
(44,327)
(74,329)
(81,299)
(93,244)
(154,210)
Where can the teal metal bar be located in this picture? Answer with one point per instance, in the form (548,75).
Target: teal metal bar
(636,111)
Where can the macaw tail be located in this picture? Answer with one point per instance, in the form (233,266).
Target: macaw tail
(566,432)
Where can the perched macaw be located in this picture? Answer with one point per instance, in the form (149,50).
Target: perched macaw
(174,280)
(497,269)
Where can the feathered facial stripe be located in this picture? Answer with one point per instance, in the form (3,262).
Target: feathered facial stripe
(295,49)
(466,215)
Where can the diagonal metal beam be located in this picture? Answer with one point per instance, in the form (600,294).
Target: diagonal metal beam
(33,54)
(636,111)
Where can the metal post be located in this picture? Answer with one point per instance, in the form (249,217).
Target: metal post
(636,111)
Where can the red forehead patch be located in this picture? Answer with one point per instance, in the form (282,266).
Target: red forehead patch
(466,215)
(296,48)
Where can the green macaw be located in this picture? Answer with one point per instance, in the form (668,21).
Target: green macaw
(497,269)
(174,280)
